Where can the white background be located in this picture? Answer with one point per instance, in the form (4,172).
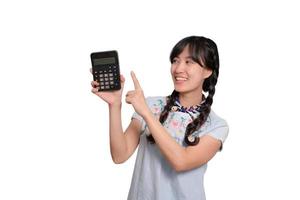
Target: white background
(54,131)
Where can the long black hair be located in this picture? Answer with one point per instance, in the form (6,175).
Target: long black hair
(204,51)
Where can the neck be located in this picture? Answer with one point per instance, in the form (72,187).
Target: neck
(188,100)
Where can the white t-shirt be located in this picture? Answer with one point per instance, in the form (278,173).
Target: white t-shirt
(153,177)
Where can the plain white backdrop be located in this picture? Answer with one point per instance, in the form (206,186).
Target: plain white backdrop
(54,131)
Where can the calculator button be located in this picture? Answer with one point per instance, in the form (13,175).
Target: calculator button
(107,76)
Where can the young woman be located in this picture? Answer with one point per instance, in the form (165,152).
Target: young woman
(177,135)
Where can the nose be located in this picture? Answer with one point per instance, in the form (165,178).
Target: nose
(180,67)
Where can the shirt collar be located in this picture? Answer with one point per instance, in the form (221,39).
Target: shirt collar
(192,109)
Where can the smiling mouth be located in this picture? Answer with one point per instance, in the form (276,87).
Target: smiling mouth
(180,78)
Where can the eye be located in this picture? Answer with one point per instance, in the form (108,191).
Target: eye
(175,61)
(190,62)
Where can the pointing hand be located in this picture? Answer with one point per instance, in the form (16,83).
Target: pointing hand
(136,97)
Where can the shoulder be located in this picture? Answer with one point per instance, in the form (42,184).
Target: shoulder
(156,99)
(215,120)
(156,103)
(215,126)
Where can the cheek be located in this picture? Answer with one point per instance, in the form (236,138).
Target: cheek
(172,69)
(197,75)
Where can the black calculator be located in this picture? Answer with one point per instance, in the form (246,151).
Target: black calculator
(106,70)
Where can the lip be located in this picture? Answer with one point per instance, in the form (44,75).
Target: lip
(179,81)
(180,77)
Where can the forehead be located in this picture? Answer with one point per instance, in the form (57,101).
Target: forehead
(189,53)
(185,53)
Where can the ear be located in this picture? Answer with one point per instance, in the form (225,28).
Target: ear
(207,72)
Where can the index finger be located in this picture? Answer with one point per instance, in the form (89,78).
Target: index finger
(135,81)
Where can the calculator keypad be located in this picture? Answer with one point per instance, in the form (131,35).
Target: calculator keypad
(108,77)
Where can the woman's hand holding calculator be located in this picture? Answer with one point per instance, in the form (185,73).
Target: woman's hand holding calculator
(110,97)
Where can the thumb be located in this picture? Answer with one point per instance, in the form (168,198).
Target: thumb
(122,79)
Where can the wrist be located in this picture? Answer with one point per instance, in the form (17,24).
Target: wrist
(115,105)
(147,114)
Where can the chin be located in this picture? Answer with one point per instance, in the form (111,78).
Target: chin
(187,90)
(180,89)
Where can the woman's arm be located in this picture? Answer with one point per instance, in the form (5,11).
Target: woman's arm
(122,144)
(181,158)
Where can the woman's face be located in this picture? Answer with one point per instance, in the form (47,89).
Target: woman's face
(188,76)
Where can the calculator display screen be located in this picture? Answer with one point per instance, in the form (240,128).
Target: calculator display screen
(104,61)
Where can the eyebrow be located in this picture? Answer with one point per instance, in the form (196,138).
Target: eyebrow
(187,57)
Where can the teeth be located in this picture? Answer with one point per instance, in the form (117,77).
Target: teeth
(180,79)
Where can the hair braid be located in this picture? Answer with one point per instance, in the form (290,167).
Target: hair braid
(201,119)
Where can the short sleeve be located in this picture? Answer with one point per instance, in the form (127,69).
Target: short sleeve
(215,127)
(140,118)
(220,132)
